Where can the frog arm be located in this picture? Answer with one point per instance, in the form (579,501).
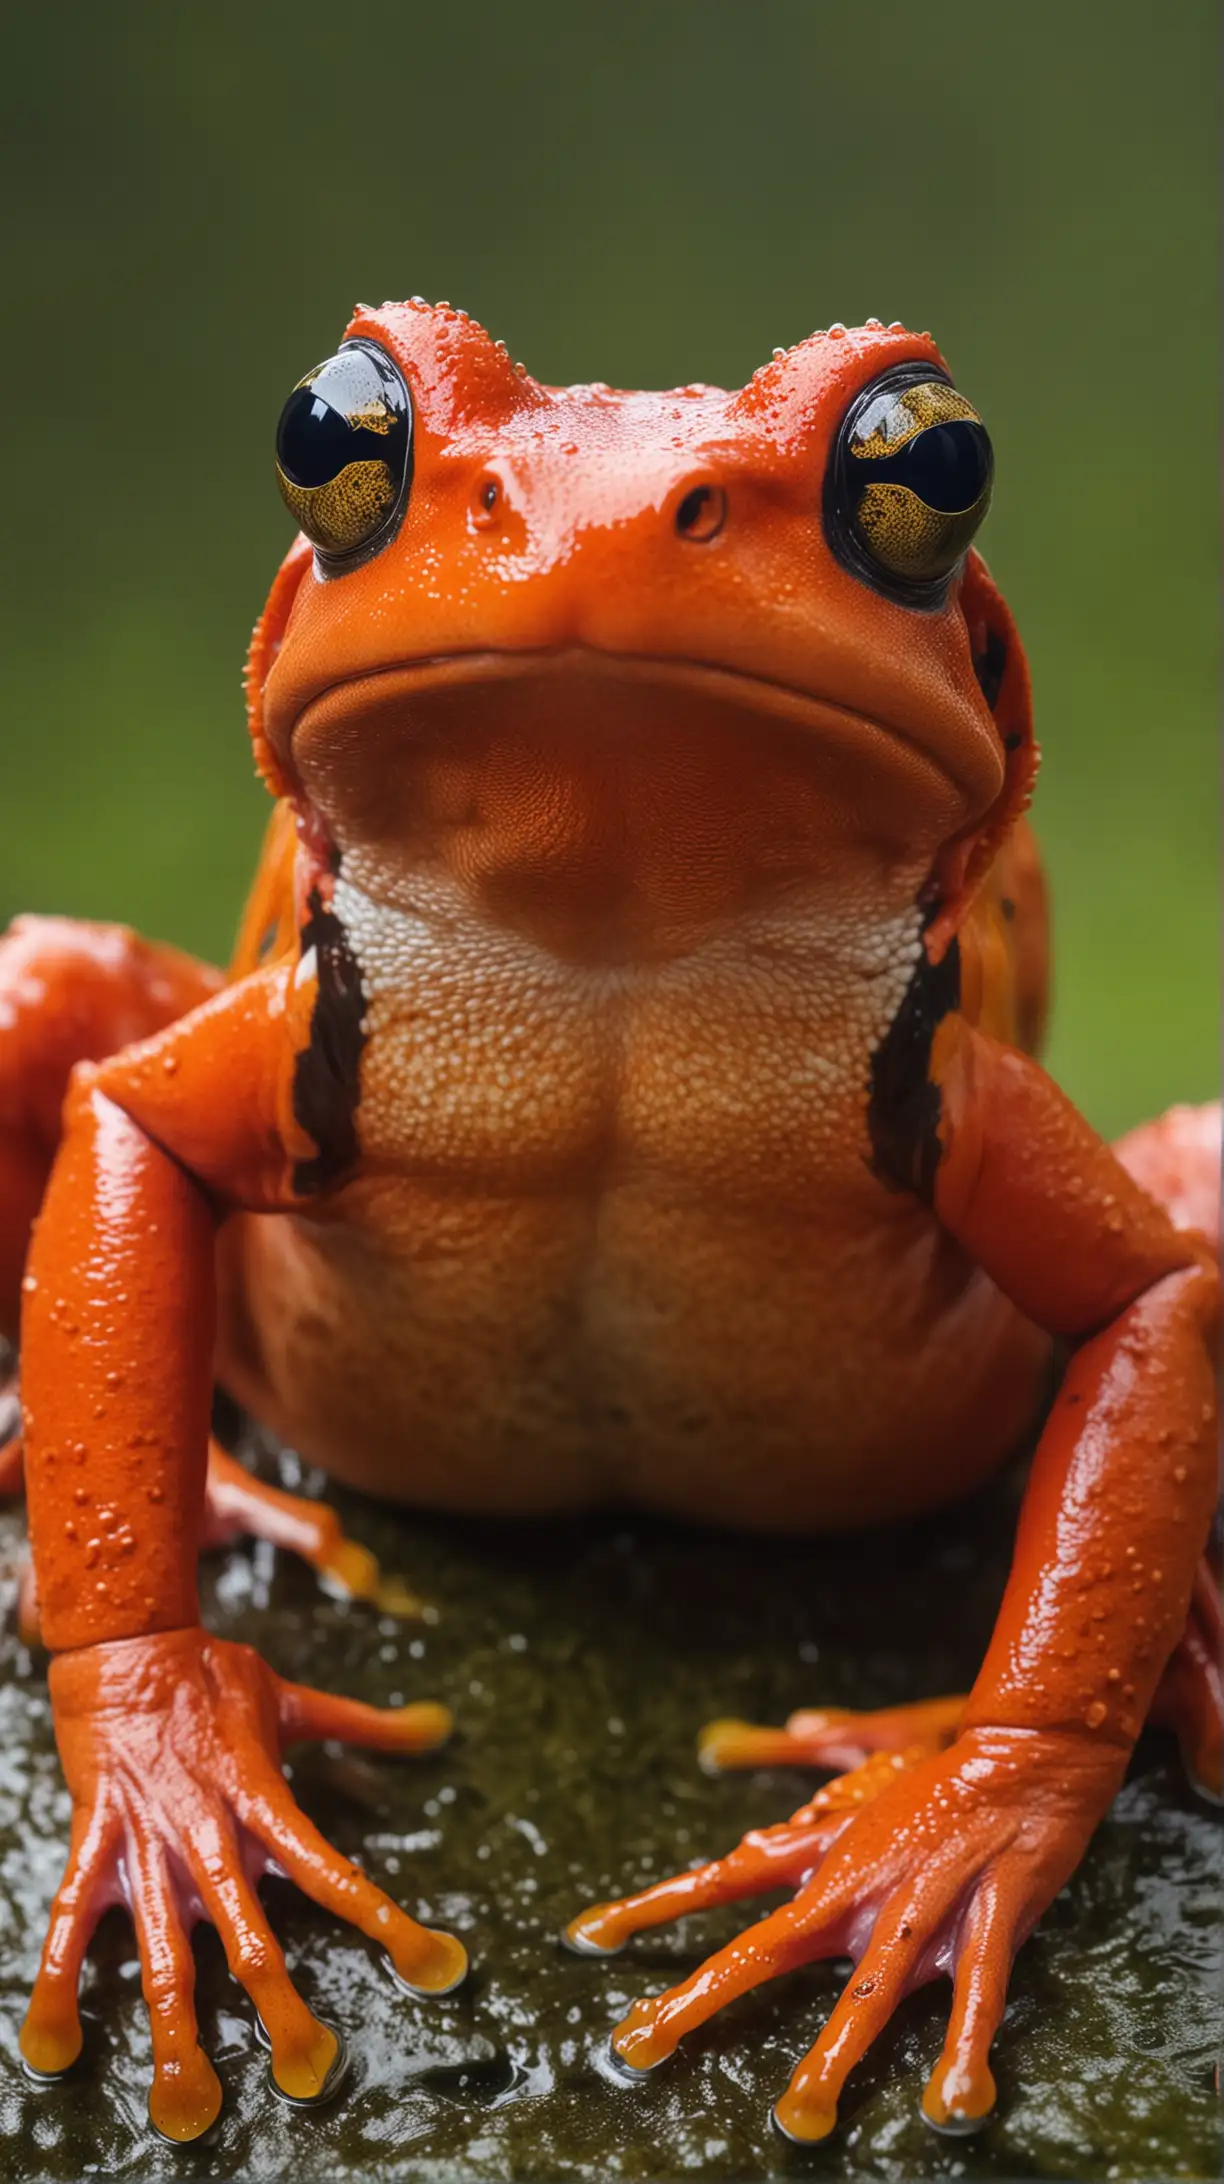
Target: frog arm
(171,1739)
(1123,1483)
(957,1828)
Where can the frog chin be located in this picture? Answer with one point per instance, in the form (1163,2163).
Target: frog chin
(613,807)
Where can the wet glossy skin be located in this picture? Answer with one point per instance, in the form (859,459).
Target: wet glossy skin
(623,1094)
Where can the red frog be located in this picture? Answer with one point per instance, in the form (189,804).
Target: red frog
(624,1093)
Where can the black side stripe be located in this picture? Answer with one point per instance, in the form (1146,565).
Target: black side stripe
(990,665)
(327,1076)
(903,1107)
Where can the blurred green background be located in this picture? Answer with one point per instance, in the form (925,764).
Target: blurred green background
(646,194)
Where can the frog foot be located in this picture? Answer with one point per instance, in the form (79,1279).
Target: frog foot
(912,1867)
(238,1505)
(171,1745)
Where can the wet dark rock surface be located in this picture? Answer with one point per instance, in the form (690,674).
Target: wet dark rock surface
(580,1660)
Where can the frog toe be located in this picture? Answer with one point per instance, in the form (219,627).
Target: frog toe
(767,1858)
(829,1736)
(238,1505)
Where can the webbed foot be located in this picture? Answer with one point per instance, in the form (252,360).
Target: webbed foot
(917,1863)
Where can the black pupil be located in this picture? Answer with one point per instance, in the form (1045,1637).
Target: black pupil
(692,508)
(314,442)
(947,466)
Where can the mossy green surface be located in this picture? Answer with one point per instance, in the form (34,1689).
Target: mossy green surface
(579,1660)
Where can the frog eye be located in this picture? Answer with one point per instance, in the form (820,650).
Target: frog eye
(908,484)
(344,451)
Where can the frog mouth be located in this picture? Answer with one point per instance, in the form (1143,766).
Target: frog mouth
(614,800)
(408,685)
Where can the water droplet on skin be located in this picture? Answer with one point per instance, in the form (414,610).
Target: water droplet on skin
(1179,1474)
(1115,1675)
(1096,1714)
(80,1496)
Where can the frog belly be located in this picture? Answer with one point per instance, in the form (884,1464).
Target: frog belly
(543,1354)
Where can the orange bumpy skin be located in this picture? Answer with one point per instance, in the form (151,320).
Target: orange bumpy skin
(623,1092)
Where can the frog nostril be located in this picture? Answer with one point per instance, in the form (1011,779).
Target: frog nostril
(487,503)
(702,513)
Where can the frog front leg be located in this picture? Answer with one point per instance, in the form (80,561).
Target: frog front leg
(171,1739)
(72,992)
(948,1866)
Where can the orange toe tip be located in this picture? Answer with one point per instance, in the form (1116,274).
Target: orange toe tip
(735,1744)
(185,2100)
(804,2123)
(313,2074)
(425,1725)
(625,2069)
(636,2045)
(435,1963)
(353,1567)
(957,2105)
(812,1722)
(594,1933)
(356,1571)
(393,1597)
(48,2050)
